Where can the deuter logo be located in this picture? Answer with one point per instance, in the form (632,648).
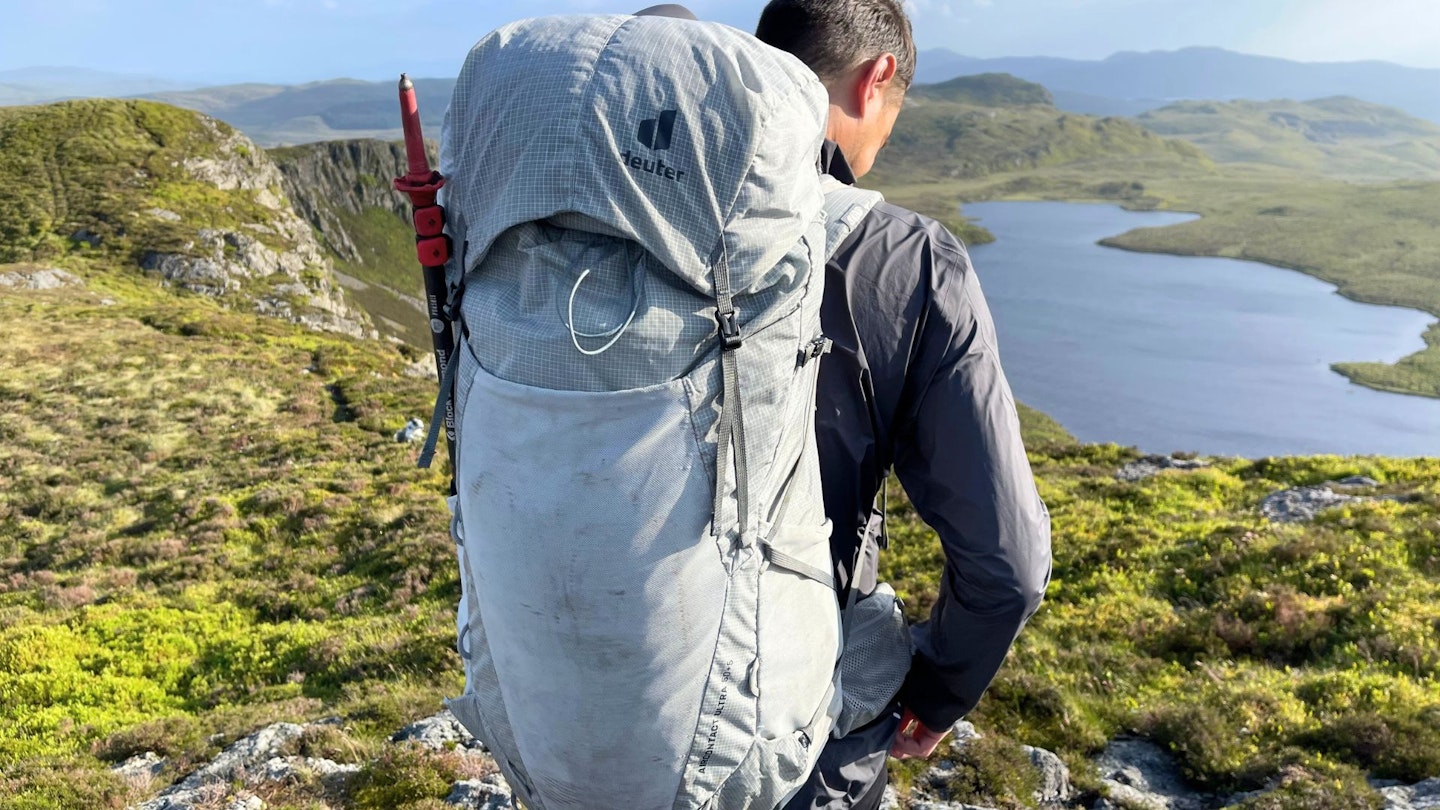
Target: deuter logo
(656,134)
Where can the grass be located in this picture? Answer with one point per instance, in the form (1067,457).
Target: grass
(205,527)
(1342,138)
(1250,650)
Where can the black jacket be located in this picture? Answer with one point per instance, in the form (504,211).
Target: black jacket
(914,383)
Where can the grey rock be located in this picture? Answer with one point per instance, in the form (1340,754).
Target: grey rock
(248,801)
(161,213)
(923,805)
(963,732)
(421,369)
(39,278)
(490,793)
(285,769)
(414,431)
(88,237)
(1355,481)
(890,800)
(198,275)
(210,783)
(1302,503)
(1151,466)
(440,732)
(141,767)
(325,179)
(1054,776)
(1140,774)
(1420,796)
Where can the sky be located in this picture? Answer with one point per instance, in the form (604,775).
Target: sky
(290,41)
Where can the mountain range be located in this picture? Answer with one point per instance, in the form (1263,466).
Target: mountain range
(1126,84)
(33,85)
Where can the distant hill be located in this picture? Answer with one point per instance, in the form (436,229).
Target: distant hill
(140,190)
(1337,137)
(1157,78)
(986,90)
(939,140)
(275,114)
(34,85)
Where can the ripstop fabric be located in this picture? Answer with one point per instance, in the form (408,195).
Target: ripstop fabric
(648,616)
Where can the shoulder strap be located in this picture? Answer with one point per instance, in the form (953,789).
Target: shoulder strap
(845,207)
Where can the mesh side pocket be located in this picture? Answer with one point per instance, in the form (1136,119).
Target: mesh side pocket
(876,658)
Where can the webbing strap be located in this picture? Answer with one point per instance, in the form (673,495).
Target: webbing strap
(437,417)
(794,565)
(845,207)
(732,421)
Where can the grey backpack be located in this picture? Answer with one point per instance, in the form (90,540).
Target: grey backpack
(649,618)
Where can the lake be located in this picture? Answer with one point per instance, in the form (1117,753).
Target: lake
(1169,353)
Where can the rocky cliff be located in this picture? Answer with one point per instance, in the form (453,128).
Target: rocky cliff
(325,179)
(343,189)
(135,185)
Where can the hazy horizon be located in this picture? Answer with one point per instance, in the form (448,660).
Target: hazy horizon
(315,40)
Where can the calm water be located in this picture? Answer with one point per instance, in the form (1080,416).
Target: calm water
(1181,353)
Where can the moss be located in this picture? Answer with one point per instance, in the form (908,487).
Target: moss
(404,778)
(994,771)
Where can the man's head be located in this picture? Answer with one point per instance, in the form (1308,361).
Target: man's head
(864,53)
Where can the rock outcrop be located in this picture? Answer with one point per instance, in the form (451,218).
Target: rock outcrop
(1135,774)
(1302,504)
(1150,466)
(38,278)
(186,198)
(324,179)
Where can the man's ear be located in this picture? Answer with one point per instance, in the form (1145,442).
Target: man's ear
(877,79)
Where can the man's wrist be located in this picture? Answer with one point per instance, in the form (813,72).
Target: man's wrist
(927,696)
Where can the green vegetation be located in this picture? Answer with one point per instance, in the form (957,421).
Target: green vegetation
(1344,138)
(390,285)
(985,90)
(344,188)
(205,526)
(944,140)
(78,177)
(1251,650)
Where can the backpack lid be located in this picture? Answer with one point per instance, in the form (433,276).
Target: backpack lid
(687,137)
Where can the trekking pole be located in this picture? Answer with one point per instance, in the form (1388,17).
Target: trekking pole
(432,246)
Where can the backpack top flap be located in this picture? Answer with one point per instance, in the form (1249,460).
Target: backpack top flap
(669,132)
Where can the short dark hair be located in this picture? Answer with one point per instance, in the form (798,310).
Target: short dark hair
(833,36)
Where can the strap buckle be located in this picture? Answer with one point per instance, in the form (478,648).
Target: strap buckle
(729,322)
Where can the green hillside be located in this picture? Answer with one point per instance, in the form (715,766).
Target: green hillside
(985,90)
(188,199)
(939,142)
(1334,137)
(233,538)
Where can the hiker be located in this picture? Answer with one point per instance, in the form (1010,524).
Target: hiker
(650,612)
(914,382)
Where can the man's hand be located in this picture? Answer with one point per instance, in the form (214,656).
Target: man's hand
(914,740)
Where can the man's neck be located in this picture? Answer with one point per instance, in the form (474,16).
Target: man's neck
(833,163)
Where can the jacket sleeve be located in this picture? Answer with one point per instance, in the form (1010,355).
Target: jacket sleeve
(961,460)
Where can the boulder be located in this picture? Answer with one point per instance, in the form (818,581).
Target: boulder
(414,431)
(1151,466)
(39,278)
(442,731)
(490,793)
